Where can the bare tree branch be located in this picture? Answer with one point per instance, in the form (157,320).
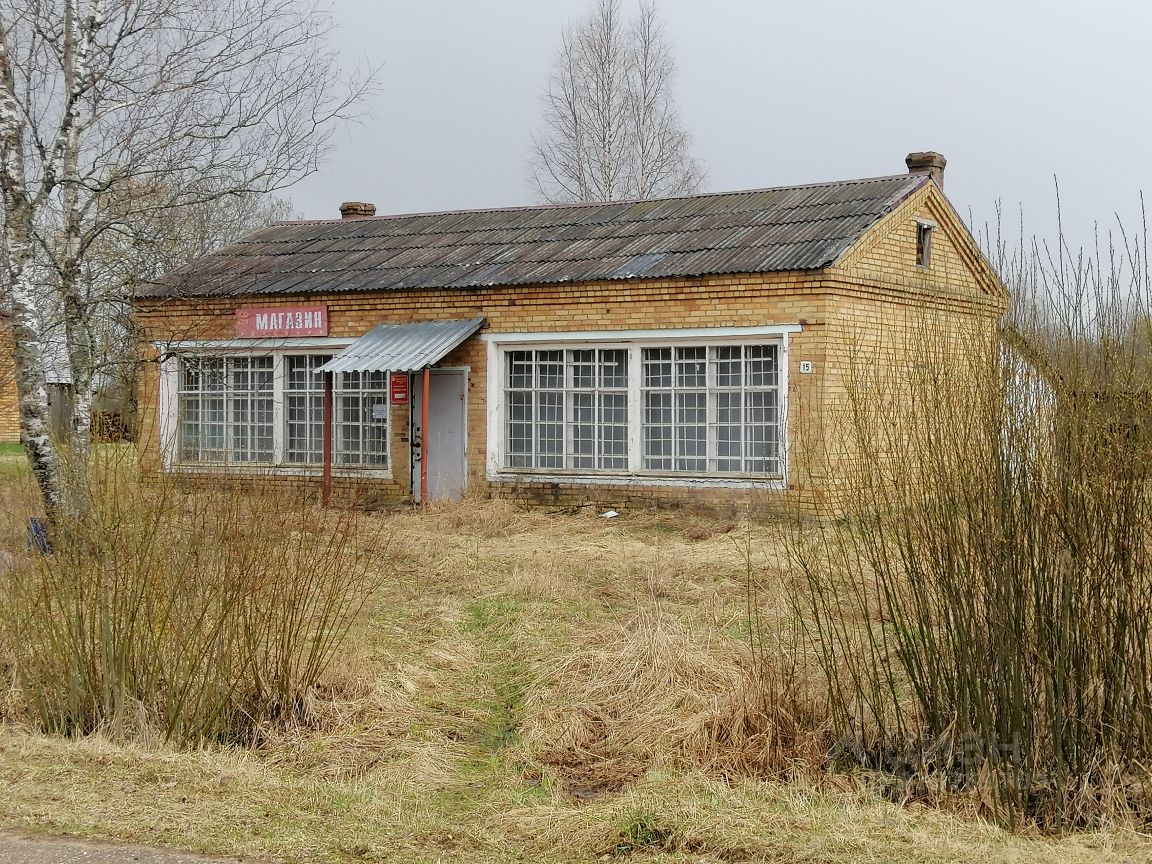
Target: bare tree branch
(115,111)
(611,129)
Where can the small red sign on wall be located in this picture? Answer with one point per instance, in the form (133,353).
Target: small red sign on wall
(282,321)
(398,388)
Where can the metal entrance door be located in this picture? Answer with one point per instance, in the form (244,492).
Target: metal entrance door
(446,438)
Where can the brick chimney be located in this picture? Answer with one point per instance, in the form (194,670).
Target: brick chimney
(352,209)
(929,163)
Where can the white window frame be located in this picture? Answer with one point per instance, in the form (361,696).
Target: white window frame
(363,394)
(228,395)
(280,388)
(634,341)
(567,391)
(173,352)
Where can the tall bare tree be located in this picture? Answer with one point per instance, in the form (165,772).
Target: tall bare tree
(115,110)
(146,249)
(611,128)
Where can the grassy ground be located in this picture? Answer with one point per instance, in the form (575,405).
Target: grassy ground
(527,687)
(12,462)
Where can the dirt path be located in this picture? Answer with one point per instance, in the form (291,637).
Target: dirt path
(27,849)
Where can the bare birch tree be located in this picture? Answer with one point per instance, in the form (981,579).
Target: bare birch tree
(111,110)
(611,127)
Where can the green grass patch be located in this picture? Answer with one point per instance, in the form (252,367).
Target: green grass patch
(496,623)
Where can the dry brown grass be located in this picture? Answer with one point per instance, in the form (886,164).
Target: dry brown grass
(647,691)
(416,809)
(501,641)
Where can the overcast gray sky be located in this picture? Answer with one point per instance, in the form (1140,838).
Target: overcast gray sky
(774,93)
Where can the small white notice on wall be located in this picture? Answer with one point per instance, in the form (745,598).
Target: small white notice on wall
(379,412)
(806,367)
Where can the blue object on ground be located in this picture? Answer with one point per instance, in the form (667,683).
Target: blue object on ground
(38,536)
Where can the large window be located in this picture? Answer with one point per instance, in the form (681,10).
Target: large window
(362,419)
(304,409)
(711,410)
(567,409)
(656,409)
(226,409)
(227,412)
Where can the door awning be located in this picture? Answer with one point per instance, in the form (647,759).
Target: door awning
(403,347)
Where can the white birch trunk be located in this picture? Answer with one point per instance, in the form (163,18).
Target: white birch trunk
(82,363)
(31,381)
(28,352)
(116,113)
(77,329)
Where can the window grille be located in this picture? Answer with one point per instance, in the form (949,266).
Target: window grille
(225,408)
(567,409)
(361,404)
(693,409)
(304,409)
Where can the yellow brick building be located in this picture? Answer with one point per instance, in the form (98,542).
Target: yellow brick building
(682,351)
(9,403)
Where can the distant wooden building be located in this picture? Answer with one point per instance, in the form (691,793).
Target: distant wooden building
(627,353)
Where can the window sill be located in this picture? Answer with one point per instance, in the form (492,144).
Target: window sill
(623,478)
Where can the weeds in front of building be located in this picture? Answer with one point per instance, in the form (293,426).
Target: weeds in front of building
(648,692)
(980,617)
(564,688)
(984,612)
(192,614)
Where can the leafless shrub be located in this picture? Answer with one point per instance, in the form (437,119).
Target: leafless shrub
(195,614)
(984,612)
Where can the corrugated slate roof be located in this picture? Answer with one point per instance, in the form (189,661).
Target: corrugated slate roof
(787,228)
(403,347)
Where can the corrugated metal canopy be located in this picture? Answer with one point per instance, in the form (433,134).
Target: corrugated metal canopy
(786,228)
(403,347)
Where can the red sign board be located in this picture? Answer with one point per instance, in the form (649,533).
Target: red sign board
(398,388)
(282,321)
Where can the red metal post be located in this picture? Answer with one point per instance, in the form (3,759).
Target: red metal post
(424,438)
(326,479)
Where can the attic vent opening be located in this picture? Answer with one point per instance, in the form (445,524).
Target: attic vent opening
(924,230)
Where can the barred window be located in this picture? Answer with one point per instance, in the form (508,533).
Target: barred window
(269,410)
(361,403)
(692,409)
(711,410)
(225,410)
(304,409)
(567,409)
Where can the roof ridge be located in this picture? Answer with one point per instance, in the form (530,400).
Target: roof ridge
(812,220)
(916,178)
(652,220)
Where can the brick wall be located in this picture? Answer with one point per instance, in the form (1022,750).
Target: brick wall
(900,329)
(9,403)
